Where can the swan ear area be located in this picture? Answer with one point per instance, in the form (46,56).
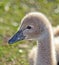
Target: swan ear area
(17,37)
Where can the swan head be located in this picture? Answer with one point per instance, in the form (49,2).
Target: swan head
(31,28)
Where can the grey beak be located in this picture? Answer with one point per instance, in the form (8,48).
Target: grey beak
(17,37)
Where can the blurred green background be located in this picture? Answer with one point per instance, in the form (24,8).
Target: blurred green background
(11,13)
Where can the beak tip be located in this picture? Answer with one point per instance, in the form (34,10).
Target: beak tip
(9,42)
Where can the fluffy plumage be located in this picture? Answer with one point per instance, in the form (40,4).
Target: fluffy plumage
(36,26)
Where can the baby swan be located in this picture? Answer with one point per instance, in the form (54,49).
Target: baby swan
(35,26)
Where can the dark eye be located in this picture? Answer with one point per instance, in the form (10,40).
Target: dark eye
(28,27)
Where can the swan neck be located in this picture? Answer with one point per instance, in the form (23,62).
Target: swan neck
(46,50)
